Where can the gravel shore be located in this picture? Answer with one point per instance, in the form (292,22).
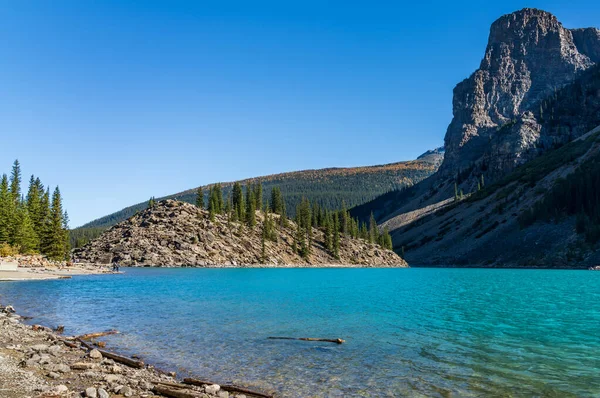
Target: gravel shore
(35,361)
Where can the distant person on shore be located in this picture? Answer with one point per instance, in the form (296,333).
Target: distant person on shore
(115,267)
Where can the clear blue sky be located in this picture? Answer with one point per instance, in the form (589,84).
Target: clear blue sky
(116,101)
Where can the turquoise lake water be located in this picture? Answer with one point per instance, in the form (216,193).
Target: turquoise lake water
(409,332)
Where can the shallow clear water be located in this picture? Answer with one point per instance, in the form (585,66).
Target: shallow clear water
(409,332)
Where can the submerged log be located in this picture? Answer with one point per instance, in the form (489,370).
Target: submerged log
(228,387)
(175,393)
(99,334)
(133,363)
(337,341)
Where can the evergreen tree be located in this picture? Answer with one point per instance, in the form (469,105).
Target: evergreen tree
(482,182)
(238,202)
(455,191)
(218,192)
(34,203)
(44,231)
(151,202)
(336,237)
(25,237)
(276,201)
(373,233)
(386,239)
(200,198)
(328,232)
(250,207)
(5,210)
(15,183)
(258,196)
(58,236)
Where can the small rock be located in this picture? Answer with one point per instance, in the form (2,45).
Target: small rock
(95,354)
(91,392)
(61,368)
(126,391)
(60,389)
(84,365)
(53,375)
(114,379)
(212,389)
(39,347)
(102,393)
(223,394)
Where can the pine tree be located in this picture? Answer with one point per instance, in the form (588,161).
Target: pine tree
(258,196)
(250,207)
(44,232)
(25,237)
(336,237)
(15,183)
(5,210)
(34,203)
(386,239)
(276,201)
(373,233)
(58,236)
(455,191)
(151,202)
(461,195)
(482,182)
(328,232)
(238,201)
(200,198)
(218,192)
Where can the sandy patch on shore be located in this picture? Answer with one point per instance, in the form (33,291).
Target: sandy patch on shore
(34,273)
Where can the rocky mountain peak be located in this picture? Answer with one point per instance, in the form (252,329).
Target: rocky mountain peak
(528,57)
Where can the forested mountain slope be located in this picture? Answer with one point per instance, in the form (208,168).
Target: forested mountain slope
(327,187)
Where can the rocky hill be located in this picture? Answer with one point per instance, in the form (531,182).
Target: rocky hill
(174,233)
(327,187)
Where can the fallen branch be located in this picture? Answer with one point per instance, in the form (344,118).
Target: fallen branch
(69,344)
(99,334)
(174,385)
(227,387)
(118,358)
(337,341)
(169,392)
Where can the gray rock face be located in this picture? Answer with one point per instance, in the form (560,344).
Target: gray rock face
(587,42)
(528,57)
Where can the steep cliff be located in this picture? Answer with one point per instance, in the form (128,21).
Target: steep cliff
(496,110)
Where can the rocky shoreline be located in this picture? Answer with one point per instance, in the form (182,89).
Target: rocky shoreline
(36,361)
(38,267)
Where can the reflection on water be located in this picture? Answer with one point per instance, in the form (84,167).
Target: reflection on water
(409,332)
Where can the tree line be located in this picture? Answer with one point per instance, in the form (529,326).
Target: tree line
(34,223)
(241,206)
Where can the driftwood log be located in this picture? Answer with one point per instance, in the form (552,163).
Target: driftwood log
(99,334)
(228,387)
(337,341)
(133,363)
(175,393)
